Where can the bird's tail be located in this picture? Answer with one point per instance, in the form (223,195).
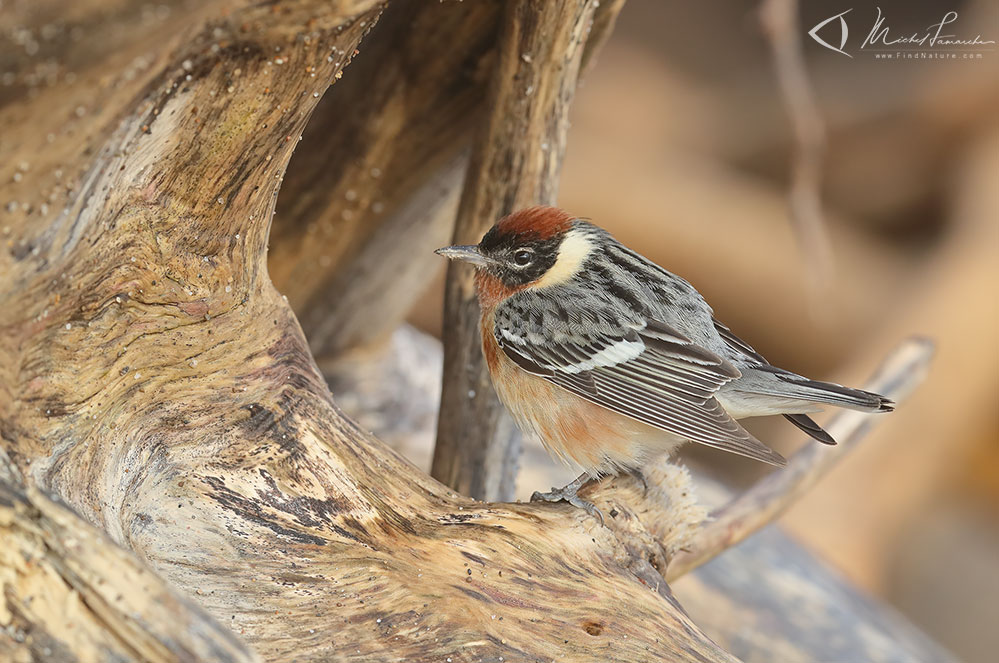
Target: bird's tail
(790,385)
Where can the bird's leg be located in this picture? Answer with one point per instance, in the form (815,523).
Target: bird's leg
(568,494)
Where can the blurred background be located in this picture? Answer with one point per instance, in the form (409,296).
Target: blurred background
(680,145)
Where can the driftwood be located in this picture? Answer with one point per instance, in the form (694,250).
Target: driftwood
(153,378)
(768,598)
(374,186)
(71,594)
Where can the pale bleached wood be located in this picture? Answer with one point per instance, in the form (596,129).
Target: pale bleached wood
(952,301)
(771,599)
(765,599)
(153,378)
(70,594)
(375,183)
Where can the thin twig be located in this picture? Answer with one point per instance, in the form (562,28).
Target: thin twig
(900,373)
(780,20)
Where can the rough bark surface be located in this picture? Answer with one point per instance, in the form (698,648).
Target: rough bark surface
(375,184)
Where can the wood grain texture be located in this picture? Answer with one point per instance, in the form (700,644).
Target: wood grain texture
(375,183)
(765,599)
(70,594)
(515,163)
(154,379)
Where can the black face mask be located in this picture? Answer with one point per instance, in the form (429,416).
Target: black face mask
(519,259)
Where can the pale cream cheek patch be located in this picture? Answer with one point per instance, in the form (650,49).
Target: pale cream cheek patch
(571,255)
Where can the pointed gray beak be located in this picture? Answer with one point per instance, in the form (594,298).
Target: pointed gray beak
(468,253)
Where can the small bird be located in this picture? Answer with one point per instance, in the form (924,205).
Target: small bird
(611,360)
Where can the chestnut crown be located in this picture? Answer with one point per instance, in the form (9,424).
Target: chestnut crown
(520,248)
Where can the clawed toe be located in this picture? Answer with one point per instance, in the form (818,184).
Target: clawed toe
(568,494)
(587,506)
(556,495)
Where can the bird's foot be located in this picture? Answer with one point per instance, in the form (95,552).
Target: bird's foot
(568,494)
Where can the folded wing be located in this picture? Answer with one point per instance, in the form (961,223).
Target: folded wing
(641,369)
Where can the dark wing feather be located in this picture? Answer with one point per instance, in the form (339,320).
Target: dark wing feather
(737,343)
(644,370)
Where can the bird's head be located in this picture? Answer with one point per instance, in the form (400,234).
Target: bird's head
(537,246)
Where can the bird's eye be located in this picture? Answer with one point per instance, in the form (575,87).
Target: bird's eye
(523,257)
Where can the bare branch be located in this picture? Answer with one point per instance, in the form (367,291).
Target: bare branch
(900,373)
(779,19)
(154,379)
(152,376)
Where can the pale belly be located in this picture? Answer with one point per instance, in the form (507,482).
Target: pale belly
(587,436)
